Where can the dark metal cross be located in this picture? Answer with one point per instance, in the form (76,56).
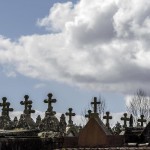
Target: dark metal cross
(95,103)
(125,119)
(26,102)
(107,117)
(50,101)
(142,120)
(30,110)
(89,114)
(70,114)
(3,105)
(7,109)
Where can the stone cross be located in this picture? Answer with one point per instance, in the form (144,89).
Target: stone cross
(70,114)
(142,120)
(26,102)
(131,121)
(89,114)
(95,103)
(125,119)
(7,109)
(3,105)
(107,117)
(50,101)
(30,110)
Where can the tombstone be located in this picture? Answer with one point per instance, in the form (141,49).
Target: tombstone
(71,129)
(95,103)
(70,114)
(89,114)
(49,101)
(107,117)
(125,119)
(131,121)
(15,122)
(26,102)
(30,110)
(25,121)
(62,125)
(142,120)
(49,122)
(38,120)
(94,133)
(5,122)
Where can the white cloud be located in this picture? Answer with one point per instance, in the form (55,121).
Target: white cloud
(99,44)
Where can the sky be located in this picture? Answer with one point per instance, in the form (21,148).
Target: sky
(76,50)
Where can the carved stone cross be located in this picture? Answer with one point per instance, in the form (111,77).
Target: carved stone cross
(95,103)
(125,119)
(142,120)
(89,114)
(70,114)
(3,105)
(30,110)
(26,102)
(7,109)
(50,101)
(107,117)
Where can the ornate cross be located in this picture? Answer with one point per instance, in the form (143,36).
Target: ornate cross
(7,109)
(30,110)
(26,102)
(142,120)
(125,119)
(89,114)
(107,117)
(50,101)
(70,114)
(3,105)
(95,103)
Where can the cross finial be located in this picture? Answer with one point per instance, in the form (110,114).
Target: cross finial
(7,109)
(26,102)
(70,114)
(125,119)
(89,114)
(95,103)
(50,101)
(30,110)
(142,120)
(107,117)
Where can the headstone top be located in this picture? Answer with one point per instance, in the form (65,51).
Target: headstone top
(95,103)
(89,114)
(49,101)
(142,120)
(70,114)
(107,117)
(26,102)
(125,119)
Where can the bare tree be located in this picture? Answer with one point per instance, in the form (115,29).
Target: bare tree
(139,105)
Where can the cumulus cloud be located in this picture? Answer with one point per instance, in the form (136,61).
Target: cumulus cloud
(99,44)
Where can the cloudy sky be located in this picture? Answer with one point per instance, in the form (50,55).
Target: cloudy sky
(74,49)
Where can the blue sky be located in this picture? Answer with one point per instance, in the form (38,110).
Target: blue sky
(74,49)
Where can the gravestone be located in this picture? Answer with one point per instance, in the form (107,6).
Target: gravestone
(49,101)
(71,129)
(89,114)
(95,133)
(125,119)
(142,120)
(49,122)
(107,117)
